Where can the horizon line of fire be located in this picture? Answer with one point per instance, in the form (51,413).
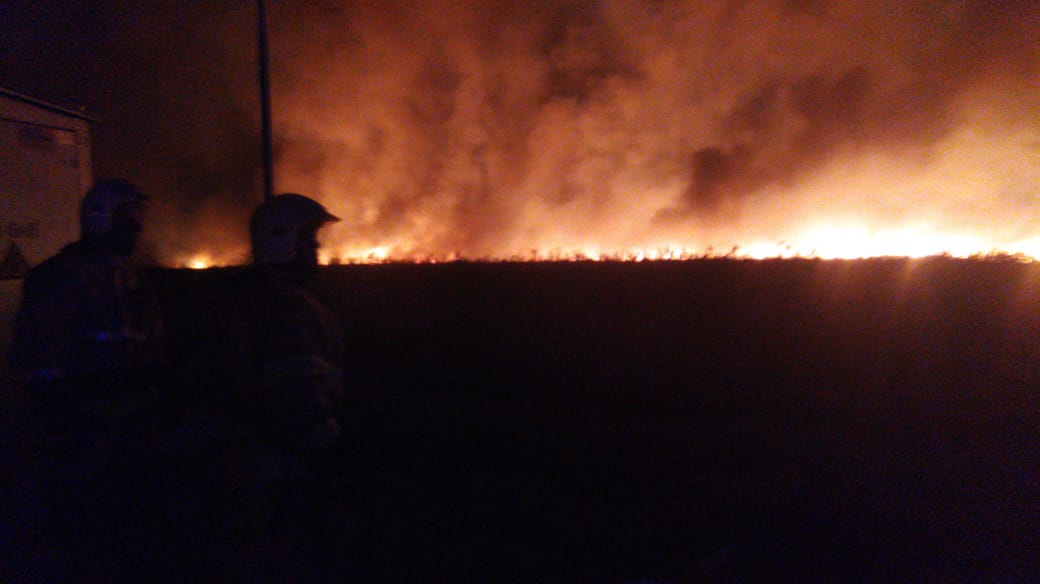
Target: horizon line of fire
(380,255)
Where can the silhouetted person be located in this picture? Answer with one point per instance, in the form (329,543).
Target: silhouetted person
(293,344)
(88,346)
(290,357)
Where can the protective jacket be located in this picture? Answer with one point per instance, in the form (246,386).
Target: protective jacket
(88,337)
(291,348)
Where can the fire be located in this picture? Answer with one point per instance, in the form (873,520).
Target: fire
(200,261)
(642,131)
(818,241)
(851,242)
(347,255)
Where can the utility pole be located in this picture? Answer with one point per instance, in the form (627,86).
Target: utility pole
(265,99)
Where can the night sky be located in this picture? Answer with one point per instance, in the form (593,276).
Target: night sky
(490,128)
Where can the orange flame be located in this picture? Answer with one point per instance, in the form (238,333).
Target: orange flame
(653,131)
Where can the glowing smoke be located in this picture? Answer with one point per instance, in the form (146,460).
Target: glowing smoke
(490,128)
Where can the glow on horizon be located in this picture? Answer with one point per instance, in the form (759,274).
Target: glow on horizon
(824,242)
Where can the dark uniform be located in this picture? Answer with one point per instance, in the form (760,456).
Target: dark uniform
(293,352)
(88,345)
(290,352)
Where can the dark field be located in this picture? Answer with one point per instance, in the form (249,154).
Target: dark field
(788,420)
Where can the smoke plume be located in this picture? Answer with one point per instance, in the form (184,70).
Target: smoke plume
(490,129)
(439,127)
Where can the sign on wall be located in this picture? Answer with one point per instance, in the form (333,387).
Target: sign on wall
(13,264)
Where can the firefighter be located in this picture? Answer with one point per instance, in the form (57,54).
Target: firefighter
(88,346)
(88,335)
(296,468)
(292,343)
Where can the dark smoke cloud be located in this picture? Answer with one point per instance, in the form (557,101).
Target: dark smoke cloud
(786,127)
(483,127)
(558,111)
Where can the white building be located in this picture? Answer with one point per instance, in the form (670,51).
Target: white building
(44,172)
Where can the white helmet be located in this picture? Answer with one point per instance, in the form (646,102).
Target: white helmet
(102,200)
(277,223)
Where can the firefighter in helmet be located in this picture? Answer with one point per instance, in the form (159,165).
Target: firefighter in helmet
(291,344)
(88,337)
(288,461)
(294,343)
(89,349)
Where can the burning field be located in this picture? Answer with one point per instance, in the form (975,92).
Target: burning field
(819,385)
(440,129)
(789,420)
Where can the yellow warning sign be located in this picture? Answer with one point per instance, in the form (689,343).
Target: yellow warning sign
(13,266)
